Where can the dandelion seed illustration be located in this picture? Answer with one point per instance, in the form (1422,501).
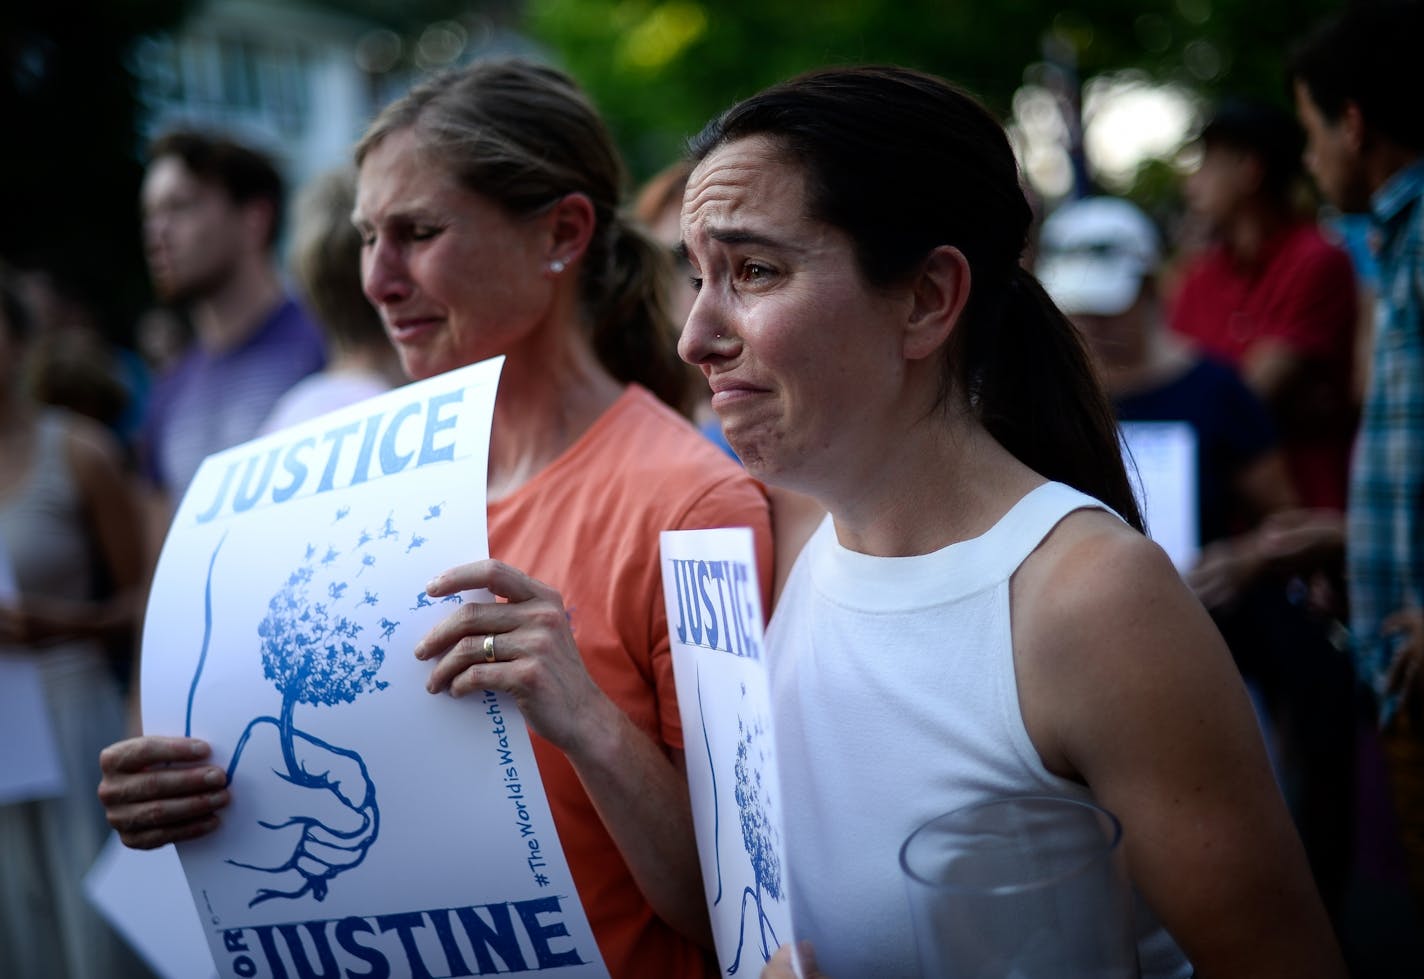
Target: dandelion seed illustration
(758,836)
(341,513)
(455,599)
(415,541)
(422,601)
(313,654)
(313,651)
(434,511)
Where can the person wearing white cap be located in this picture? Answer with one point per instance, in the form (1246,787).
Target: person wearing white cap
(1097,260)
(1095,254)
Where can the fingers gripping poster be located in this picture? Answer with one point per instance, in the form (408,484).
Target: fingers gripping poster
(723,693)
(373,829)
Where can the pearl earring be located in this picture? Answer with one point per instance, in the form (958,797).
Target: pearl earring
(556,266)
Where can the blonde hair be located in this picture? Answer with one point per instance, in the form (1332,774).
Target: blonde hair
(326,260)
(523,135)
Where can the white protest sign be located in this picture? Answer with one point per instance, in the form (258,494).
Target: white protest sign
(373,829)
(29,755)
(143,894)
(723,693)
(1161,460)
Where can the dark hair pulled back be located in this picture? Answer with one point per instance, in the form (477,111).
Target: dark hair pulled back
(904,162)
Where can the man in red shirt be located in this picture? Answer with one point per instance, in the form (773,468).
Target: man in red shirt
(1271,295)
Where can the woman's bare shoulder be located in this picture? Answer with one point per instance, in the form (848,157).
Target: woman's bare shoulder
(1092,555)
(1098,589)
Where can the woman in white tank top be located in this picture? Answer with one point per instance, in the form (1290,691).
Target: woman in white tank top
(979,615)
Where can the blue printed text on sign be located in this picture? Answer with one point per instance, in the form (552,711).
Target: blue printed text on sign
(714,607)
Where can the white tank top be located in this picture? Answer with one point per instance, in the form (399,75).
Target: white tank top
(894,700)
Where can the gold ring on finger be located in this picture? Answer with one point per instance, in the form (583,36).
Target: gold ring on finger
(489,649)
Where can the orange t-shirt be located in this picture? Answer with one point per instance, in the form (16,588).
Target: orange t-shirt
(588,525)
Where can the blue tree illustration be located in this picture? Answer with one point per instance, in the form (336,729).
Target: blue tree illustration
(312,650)
(314,656)
(759,837)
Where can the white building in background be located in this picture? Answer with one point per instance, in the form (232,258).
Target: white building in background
(295,80)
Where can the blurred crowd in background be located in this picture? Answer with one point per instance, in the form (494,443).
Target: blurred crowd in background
(1213,283)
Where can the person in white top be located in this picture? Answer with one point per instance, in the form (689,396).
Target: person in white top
(979,615)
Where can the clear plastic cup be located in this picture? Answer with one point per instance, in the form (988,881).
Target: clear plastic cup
(1029,887)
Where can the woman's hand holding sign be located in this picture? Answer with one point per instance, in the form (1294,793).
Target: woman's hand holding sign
(155,792)
(522,646)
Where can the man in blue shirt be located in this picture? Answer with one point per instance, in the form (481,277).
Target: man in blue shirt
(212,210)
(1356,93)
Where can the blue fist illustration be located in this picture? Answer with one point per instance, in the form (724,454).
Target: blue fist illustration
(318,804)
(317,819)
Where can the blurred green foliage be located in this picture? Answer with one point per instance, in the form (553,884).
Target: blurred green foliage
(660,68)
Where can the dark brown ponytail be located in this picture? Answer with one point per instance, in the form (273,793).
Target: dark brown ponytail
(626,283)
(1033,386)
